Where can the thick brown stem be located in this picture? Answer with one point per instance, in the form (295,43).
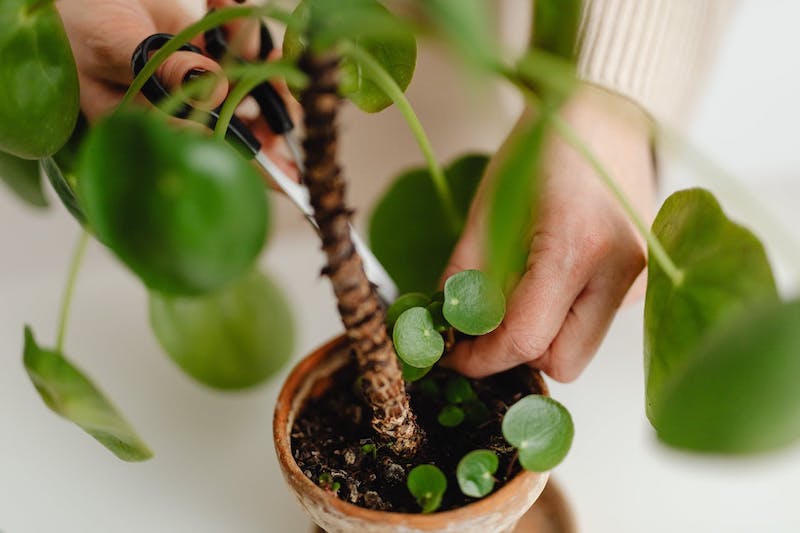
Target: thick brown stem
(359,307)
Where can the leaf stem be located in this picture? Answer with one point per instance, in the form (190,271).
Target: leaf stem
(250,78)
(69,288)
(385,81)
(217,18)
(659,253)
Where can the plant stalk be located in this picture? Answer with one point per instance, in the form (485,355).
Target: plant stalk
(359,306)
(69,288)
(385,81)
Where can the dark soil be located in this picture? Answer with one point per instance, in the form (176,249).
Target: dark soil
(334,445)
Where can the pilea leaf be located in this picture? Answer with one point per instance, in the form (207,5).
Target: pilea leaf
(61,170)
(427,484)
(327,22)
(473,303)
(725,270)
(409,231)
(514,186)
(39,94)
(403,303)
(475,473)
(181,209)
(23,178)
(451,416)
(541,429)
(459,390)
(411,373)
(69,393)
(738,392)
(233,338)
(439,321)
(416,340)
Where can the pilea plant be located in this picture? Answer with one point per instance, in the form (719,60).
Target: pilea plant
(186,214)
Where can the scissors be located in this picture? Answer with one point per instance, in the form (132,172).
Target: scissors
(240,137)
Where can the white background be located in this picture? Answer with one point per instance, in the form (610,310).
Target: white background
(215,470)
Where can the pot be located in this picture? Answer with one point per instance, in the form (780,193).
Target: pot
(496,513)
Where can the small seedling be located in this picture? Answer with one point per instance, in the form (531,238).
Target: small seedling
(459,390)
(541,429)
(475,473)
(427,484)
(451,416)
(370,449)
(327,483)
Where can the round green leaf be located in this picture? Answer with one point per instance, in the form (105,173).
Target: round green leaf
(403,303)
(181,209)
(541,429)
(69,393)
(368,24)
(409,231)
(416,340)
(427,484)
(230,339)
(39,96)
(411,373)
(459,390)
(23,178)
(450,416)
(473,303)
(739,391)
(439,322)
(725,271)
(476,412)
(475,473)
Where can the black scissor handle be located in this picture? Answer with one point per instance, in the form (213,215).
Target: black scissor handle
(272,106)
(237,133)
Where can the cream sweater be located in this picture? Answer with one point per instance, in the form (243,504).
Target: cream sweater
(652,51)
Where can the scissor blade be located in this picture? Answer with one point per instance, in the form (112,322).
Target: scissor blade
(299,196)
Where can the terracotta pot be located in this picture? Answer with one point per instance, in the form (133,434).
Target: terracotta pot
(497,513)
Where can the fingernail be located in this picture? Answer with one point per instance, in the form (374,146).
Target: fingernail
(193,75)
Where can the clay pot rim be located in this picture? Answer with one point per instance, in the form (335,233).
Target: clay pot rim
(283,449)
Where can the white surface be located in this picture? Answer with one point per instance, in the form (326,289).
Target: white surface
(215,470)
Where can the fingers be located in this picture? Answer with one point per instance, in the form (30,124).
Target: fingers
(583,330)
(185,67)
(242,34)
(537,309)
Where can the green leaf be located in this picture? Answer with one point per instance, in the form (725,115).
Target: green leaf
(450,416)
(416,340)
(475,473)
(725,270)
(368,24)
(411,373)
(61,170)
(465,24)
(181,209)
(39,96)
(476,412)
(230,339)
(427,484)
(23,178)
(459,390)
(514,186)
(541,429)
(69,393)
(473,303)
(555,26)
(439,322)
(409,230)
(403,303)
(739,391)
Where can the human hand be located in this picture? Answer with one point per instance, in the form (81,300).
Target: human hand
(585,253)
(104,33)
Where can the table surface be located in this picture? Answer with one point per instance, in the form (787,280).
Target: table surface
(214,468)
